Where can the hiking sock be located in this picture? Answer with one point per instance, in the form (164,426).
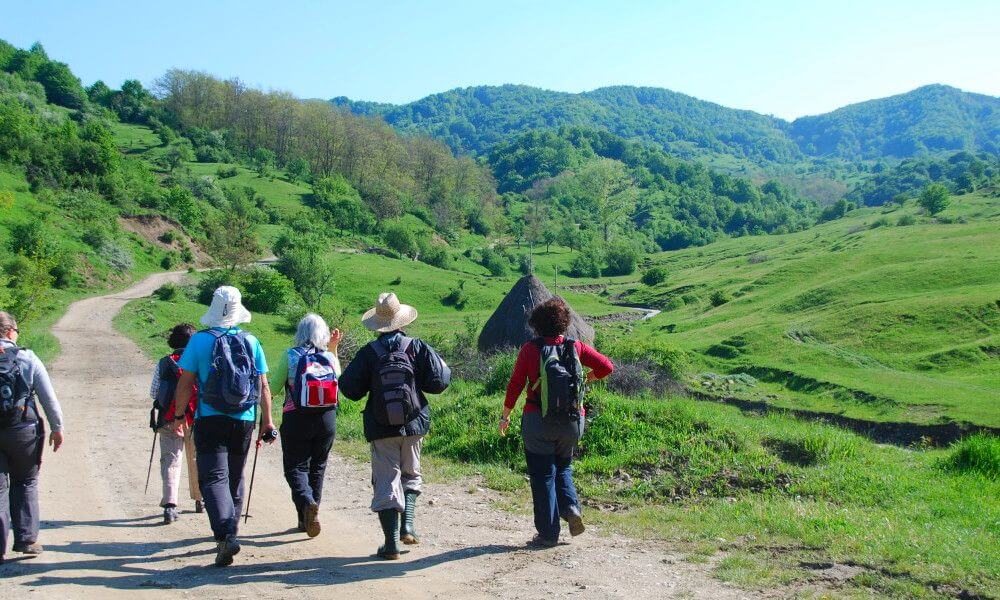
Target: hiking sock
(389,519)
(407,532)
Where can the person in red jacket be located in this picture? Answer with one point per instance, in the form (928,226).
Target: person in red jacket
(175,446)
(549,444)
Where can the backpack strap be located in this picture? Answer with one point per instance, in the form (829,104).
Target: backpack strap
(379,348)
(404,344)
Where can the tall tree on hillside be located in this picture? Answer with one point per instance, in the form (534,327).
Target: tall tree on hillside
(233,240)
(610,189)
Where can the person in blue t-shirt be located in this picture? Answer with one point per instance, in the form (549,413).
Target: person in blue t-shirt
(222,439)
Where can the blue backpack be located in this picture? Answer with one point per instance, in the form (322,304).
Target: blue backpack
(233,382)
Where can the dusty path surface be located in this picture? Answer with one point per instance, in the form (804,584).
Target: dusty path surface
(103,539)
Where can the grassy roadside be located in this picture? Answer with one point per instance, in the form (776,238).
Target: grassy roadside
(784,503)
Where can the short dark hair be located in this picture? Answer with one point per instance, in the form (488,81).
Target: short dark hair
(180,335)
(550,318)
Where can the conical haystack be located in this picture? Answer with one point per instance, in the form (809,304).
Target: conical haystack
(508,326)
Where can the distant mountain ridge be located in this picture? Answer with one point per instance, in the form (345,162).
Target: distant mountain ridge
(933,118)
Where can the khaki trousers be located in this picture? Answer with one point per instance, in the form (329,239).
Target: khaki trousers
(395,470)
(173,451)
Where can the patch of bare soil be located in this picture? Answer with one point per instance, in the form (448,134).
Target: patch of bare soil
(165,233)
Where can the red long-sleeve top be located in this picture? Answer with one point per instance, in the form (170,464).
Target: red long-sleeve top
(528,366)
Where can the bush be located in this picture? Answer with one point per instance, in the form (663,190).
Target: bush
(654,276)
(586,264)
(117,256)
(723,350)
(881,222)
(494,262)
(435,255)
(501,366)
(456,296)
(166,292)
(906,221)
(226,172)
(265,290)
(622,259)
(96,235)
(668,359)
(211,281)
(169,260)
(401,238)
(979,453)
(720,297)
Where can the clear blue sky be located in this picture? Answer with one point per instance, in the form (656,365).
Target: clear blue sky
(787,58)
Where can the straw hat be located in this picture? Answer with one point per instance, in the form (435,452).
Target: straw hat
(227,309)
(388,314)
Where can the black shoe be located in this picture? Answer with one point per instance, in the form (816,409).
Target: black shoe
(310,518)
(226,550)
(32,548)
(407,532)
(540,542)
(575,520)
(389,520)
(199,506)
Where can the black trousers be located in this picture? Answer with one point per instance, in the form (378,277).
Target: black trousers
(306,439)
(20,458)
(222,445)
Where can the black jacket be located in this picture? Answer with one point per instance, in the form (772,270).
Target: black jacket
(432,377)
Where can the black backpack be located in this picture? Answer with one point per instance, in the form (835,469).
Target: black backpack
(393,399)
(233,384)
(169,372)
(560,381)
(15,393)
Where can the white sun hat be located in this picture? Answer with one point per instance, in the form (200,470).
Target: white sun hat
(388,314)
(227,309)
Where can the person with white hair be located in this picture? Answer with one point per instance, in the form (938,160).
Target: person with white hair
(308,373)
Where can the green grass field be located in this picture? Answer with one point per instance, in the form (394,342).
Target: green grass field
(884,323)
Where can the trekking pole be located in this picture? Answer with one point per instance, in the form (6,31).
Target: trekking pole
(253,471)
(150,470)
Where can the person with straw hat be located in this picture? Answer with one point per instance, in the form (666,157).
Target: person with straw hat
(231,372)
(395,372)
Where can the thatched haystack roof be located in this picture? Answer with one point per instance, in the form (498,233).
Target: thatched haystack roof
(508,326)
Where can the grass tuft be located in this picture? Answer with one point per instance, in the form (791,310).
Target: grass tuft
(979,453)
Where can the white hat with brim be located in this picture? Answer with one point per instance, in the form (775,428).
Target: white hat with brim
(388,314)
(227,309)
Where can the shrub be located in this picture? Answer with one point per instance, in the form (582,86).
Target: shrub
(265,290)
(168,237)
(168,261)
(456,296)
(622,259)
(654,276)
(978,453)
(906,221)
(401,238)
(435,255)
(667,358)
(720,297)
(501,366)
(96,235)
(586,264)
(494,262)
(723,350)
(224,172)
(881,222)
(213,280)
(166,292)
(116,255)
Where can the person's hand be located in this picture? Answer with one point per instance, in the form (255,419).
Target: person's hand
(335,336)
(177,427)
(56,440)
(265,428)
(504,424)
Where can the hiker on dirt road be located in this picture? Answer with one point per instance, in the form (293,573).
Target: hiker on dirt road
(395,371)
(22,437)
(231,374)
(175,447)
(553,416)
(308,372)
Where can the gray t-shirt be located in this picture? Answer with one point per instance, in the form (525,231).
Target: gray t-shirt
(38,381)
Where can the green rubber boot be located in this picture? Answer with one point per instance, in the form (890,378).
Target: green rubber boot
(390,527)
(407,533)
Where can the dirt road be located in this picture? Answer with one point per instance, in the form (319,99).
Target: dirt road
(103,538)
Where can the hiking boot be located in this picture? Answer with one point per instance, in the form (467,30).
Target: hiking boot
(170,514)
(407,533)
(199,506)
(575,520)
(226,550)
(310,518)
(33,548)
(389,520)
(540,542)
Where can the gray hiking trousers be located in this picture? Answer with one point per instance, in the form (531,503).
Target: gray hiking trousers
(20,458)
(395,471)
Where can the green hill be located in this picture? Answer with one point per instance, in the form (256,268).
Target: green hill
(934,118)
(864,316)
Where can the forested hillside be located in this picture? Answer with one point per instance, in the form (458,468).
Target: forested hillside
(930,119)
